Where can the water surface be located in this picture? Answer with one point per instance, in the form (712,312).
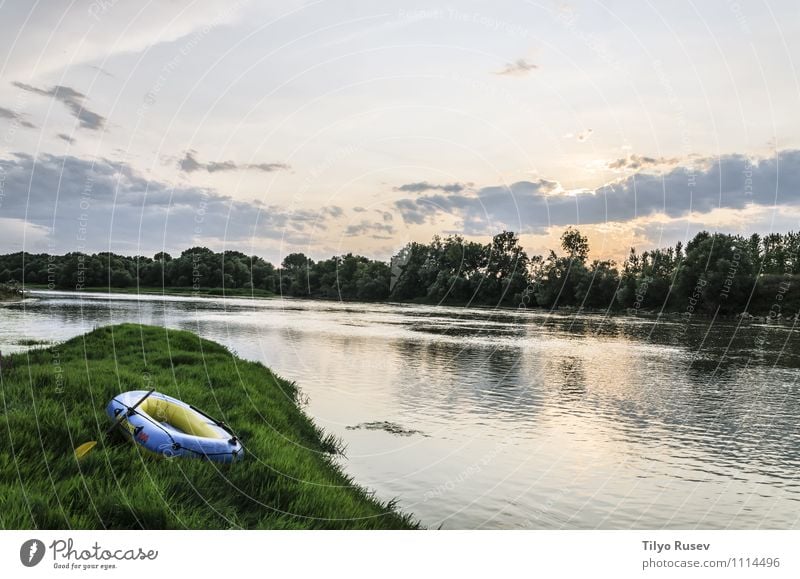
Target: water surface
(477,418)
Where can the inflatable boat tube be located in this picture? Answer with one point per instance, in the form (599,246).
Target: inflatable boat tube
(170,427)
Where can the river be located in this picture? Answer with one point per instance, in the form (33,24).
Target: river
(480,418)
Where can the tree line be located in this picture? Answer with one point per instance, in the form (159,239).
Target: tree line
(713,273)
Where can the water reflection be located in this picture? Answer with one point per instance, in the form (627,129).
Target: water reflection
(531,420)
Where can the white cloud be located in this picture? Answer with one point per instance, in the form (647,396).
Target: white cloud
(40,38)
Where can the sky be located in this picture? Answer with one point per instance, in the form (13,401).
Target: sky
(330,127)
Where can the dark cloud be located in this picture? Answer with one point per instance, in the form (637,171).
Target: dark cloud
(9,114)
(101,204)
(332,211)
(519,67)
(66,138)
(73,100)
(267,167)
(422,186)
(101,70)
(375,229)
(415,212)
(189,163)
(731,181)
(636,162)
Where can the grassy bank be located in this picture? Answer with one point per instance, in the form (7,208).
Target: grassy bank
(54,399)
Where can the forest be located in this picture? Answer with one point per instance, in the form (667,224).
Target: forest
(713,274)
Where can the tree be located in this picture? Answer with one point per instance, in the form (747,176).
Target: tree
(121,278)
(597,289)
(575,245)
(460,267)
(792,252)
(294,275)
(717,274)
(631,270)
(506,270)
(372,280)
(559,280)
(262,274)
(406,268)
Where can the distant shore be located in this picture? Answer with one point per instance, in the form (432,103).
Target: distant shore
(669,315)
(713,275)
(167,291)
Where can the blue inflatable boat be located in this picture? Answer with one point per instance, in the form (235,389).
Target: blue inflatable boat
(170,427)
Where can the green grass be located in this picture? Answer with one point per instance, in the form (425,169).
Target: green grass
(31,342)
(53,399)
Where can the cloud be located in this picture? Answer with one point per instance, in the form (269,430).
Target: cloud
(582,136)
(376,230)
(422,186)
(731,181)
(190,164)
(415,212)
(100,70)
(65,138)
(9,114)
(101,205)
(73,100)
(519,67)
(332,211)
(636,162)
(93,31)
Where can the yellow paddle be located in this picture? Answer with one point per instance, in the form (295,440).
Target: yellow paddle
(87,447)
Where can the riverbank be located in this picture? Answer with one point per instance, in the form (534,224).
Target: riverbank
(55,398)
(167,291)
(773,316)
(10,293)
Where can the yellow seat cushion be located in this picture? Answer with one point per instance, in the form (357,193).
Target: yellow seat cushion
(182,418)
